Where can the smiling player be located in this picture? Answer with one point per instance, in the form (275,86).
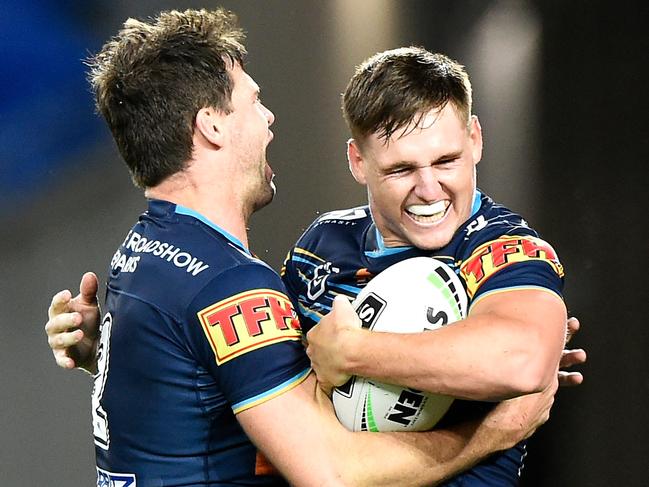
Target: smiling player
(415,147)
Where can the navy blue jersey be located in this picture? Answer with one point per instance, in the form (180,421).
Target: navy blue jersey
(196,330)
(494,251)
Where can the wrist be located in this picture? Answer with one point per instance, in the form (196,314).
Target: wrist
(353,350)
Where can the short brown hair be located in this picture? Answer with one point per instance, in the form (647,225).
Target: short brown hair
(394,88)
(151,80)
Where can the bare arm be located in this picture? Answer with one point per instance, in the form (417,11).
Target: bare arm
(509,345)
(339,457)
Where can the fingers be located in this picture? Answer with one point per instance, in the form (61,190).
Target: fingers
(341,299)
(60,340)
(65,340)
(88,288)
(570,379)
(63,360)
(568,359)
(572,328)
(60,302)
(342,304)
(62,322)
(572,357)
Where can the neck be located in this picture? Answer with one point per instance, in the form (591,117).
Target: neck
(211,198)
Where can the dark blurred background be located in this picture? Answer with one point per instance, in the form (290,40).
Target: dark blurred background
(561,91)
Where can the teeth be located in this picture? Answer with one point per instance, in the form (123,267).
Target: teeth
(428,213)
(428,210)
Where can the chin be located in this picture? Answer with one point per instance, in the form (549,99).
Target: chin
(430,244)
(265,199)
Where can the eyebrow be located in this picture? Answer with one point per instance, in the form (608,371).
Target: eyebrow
(450,155)
(444,157)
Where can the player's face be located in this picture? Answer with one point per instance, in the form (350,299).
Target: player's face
(250,135)
(421,184)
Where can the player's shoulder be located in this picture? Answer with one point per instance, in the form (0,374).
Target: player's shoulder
(491,221)
(171,253)
(331,234)
(336,223)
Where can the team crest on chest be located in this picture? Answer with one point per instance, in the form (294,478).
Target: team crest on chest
(317,284)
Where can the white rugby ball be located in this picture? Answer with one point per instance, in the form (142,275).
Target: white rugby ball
(410,296)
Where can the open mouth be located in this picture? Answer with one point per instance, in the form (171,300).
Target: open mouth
(428,213)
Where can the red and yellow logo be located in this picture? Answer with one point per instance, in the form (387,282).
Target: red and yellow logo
(493,256)
(248,321)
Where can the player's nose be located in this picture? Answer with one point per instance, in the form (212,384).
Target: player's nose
(270,116)
(427,186)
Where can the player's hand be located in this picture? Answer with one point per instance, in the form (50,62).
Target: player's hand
(328,340)
(516,419)
(571,357)
(73,326)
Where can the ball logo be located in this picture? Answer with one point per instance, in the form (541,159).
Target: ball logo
(436,319)
(370,309)
(347,388)
(407,407)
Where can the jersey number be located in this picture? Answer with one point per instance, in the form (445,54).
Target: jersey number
(99,416)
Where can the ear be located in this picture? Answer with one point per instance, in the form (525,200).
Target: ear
(475,134)
(210,123)
(355,161)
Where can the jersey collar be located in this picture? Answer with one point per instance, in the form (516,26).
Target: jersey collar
(182,210)
(160,206)
(375,246)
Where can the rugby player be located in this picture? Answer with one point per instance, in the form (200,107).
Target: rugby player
(199,363)
(415,147)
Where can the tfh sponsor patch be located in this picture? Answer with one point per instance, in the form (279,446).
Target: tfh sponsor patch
(248,321)
(493,256)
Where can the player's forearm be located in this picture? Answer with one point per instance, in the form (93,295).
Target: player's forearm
(480,358)
(406,459)
(413,459)
(431,457)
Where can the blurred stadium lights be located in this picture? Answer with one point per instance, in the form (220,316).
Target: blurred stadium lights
(363,27)
(503,53)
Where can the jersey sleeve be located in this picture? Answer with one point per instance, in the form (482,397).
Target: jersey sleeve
(244,330)
(512,262)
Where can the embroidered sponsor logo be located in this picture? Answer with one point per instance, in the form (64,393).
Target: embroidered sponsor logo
(111,479)
(493,256)
(248,321)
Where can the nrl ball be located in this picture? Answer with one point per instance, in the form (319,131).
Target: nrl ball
(413,295)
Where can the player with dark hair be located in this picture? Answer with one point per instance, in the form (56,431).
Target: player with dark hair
(416,146)
(199,360)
